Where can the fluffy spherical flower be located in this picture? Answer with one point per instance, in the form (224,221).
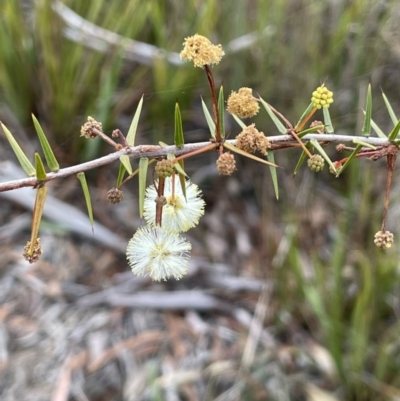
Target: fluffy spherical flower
(156,253)
(178,214)
(201,51)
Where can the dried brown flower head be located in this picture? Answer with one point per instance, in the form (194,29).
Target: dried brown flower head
(33,256)
(250,140)
(242,103)
(201,51)
(115,195)
(383,239)
(87,129)
(226,164)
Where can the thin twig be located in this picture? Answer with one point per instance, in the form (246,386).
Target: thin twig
(152,151)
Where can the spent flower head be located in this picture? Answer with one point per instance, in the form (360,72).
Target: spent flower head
(383,239)
(87,128)
(156,253)
(178,214)
(34,256)
(226,164)
(242,103)
(201,51)
(115,195)
(322,97)
(250,140)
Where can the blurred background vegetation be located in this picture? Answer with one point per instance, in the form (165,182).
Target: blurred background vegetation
(63,61)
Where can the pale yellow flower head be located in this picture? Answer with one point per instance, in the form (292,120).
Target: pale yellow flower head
(201,51)
(242,103)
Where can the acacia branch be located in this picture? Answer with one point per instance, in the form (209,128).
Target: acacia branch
(152,151)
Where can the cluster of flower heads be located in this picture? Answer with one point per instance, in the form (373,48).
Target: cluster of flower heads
(160,252)
(322,97)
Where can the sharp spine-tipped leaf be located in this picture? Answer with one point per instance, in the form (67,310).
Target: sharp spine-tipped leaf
(40,170)
(130,138)
(390,109)
(233,148)
(143,165)
(302,158)
(305,115)
(349,159)
(239,121)
(178,167)
(395,132)
(366,129)
(126,161)
(221,111)
(121,174)
(23,160)
(210,121)
(274,176)
(281,128)
(82,179)
(44,143)
(327,119)
(178,137)
(41,193)
(311,130)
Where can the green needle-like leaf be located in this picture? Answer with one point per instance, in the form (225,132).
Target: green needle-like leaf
(366,129)
(350,158)
(44,143)
(305,115)
(178,137)
(40,170)
(378,131)
(121,174)
(364,144)
(239,121)
(126,161)
(310,130)
(274,176)
(321,151)
(390,109)
(233,148)
(130,138)
(302,158)
(23,160)
(395,132)
(37,216)
(221,111)
(210,121)
(178,167)
(327,120)
(281,128)
(82,179)
(143,165)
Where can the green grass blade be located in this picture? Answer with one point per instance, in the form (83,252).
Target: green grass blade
(221,111)
(126,161)
(23,160)
(143,165)
(390,109)
(321,151)
(40,170)
(366,129)
(395,132)
(281,128)
(178,136)
(210,121)
(327,120)
(130,138)
(44,143)
(274,176)
(82,179)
